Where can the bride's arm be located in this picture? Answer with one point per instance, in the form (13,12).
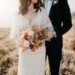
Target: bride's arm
(49,28)
(15,32)
(13,29)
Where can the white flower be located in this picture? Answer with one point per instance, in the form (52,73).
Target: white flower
(30,32)
(26,43)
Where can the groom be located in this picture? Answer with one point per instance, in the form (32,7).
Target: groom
(60,16)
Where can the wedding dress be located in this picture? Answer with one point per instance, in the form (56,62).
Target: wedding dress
(30,63)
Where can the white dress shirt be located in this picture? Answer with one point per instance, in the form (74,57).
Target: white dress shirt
(48,4)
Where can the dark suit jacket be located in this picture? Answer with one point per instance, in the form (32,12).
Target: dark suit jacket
(60,17)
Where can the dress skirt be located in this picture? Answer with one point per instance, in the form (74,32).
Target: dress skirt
(32,63)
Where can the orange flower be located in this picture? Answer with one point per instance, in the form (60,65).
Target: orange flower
(23,34)
(34,48)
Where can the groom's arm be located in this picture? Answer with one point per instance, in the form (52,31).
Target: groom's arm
(67,20)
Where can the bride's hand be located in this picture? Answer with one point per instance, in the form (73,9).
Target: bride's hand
(49,36)
(24,45)
(23,48)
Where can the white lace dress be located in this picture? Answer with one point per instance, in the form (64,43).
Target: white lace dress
(30,63)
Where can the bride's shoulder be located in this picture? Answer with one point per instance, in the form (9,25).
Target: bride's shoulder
(43,11)
(18,16)
(42,8)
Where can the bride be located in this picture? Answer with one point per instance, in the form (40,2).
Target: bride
(31,18)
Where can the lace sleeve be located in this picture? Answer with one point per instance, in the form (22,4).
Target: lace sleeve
(17,27)
(14,31)
(47,22)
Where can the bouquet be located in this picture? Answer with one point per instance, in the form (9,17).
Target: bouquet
(32,39)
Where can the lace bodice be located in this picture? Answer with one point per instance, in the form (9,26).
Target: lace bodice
(21,23)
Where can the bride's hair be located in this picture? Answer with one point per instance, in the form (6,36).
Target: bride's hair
(23,8)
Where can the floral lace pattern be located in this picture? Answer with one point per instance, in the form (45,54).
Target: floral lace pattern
(20,23)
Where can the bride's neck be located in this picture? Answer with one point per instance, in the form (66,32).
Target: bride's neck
(31,7)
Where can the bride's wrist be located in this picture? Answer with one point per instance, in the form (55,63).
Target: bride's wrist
(55,35)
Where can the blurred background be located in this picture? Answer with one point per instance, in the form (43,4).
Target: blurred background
(8,52)
(8,7)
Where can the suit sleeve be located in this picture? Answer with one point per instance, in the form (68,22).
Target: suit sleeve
(67,21)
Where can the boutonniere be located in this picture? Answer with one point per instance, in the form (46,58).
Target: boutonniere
(55,2)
